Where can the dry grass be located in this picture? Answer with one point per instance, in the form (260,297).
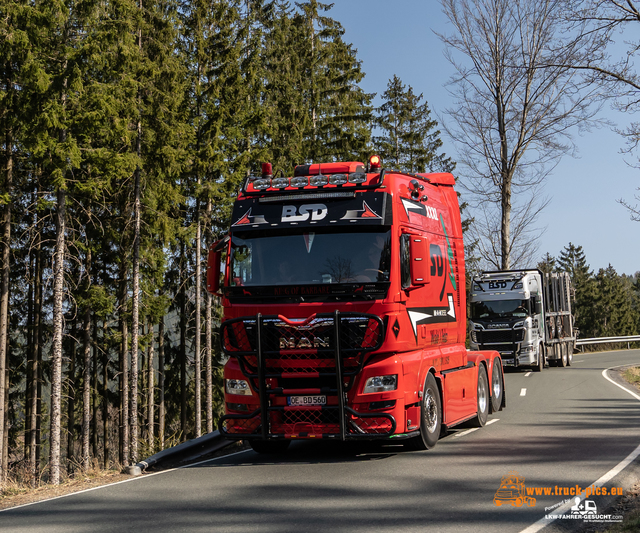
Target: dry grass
(18,491)
(632,375)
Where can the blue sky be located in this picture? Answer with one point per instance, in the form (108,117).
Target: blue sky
(397,38)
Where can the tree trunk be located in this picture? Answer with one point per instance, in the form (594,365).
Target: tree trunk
(124,370)
(86,388)
(4,290)
(198,329)
(161,383)
(135,319)
(71,401)
(95,397)
(208,328)
(183,341)
(150,391)
(105,395)
(58,325)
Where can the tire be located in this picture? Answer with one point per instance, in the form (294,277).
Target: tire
(497,386)
(430,416)
(569,353)
(482,398)
(269,446)
(540,365)
(563,356)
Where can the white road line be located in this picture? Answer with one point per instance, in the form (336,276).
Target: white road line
(523,392)
(543,522)
(492,421)
(527,374)
(143,476)
(465,432)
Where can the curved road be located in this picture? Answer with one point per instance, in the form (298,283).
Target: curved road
(562,427)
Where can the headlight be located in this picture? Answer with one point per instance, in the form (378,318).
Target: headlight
(237,386)
(381,384)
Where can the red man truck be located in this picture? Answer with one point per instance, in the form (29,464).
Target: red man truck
(345,310)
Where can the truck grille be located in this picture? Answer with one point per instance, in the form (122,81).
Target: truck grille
(302,348)
(499,336)
(320,355)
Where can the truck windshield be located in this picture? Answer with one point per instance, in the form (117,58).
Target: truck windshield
(500,309)
(310,258)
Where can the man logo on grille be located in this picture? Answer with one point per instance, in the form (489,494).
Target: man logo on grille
(291,343)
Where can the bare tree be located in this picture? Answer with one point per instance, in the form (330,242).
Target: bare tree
(606,21)
(517,103)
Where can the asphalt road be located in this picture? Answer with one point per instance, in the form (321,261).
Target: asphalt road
(562,427)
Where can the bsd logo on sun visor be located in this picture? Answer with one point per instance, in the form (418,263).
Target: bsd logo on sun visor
(315,211)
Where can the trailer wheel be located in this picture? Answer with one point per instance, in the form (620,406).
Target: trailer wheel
(497,390)
(430,416)
(563,355)
(569,353)
(483,398)
(269,446)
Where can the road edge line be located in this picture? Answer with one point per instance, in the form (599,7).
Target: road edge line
(543,522)
(134,478)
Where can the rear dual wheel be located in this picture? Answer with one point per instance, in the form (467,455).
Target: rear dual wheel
(482,398)
(497,386)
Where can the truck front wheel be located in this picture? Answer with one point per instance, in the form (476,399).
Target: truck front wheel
(540,365)
(430,416)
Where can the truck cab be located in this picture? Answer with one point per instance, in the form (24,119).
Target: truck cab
(343,293)
(506,314)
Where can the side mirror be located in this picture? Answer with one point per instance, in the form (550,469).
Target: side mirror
(537,304)
(420,274)
(213,270)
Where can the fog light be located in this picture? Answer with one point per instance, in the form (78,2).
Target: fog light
(240,407)
(237,386)
(388,404)
(381,384)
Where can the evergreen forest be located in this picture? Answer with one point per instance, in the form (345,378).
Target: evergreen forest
(126,128)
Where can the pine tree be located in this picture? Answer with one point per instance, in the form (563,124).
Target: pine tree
(548,264)
(573,261)
(613,311)
(338,110)
(408,138)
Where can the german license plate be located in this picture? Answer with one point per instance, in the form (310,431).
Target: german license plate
(307,400)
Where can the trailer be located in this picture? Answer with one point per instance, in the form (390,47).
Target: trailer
(525,315)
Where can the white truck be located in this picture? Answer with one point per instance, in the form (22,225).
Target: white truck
(525,315)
